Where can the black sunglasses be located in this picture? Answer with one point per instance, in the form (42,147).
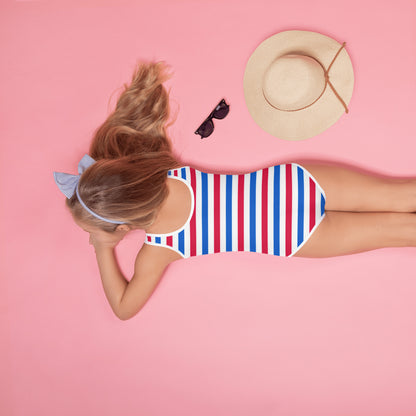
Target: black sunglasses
(219,112)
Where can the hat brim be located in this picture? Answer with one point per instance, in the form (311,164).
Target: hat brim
(302,124)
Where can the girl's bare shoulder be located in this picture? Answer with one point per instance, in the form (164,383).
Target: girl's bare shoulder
(152,260)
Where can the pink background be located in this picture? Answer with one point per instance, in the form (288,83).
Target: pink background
(235,334)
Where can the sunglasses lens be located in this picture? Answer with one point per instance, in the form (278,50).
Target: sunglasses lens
(221,110)
(205,129)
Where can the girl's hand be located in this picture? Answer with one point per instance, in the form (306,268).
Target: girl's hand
(101,239)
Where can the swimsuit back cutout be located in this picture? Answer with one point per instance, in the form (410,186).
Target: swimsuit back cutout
(273,210)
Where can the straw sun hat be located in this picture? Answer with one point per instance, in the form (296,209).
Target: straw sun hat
(298,83)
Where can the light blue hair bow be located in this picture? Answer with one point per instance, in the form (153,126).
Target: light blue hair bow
(68,185)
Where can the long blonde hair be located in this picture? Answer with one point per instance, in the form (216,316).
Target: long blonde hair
(133,154)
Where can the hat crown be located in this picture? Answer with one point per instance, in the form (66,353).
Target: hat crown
(293,82)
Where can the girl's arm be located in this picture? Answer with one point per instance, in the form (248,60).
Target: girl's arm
(127,298)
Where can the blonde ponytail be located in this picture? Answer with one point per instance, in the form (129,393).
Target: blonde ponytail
(138,124)
(133,154)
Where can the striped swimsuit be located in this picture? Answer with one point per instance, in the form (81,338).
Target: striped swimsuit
(273,211)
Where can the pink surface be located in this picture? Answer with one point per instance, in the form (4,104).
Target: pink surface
(235,334)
